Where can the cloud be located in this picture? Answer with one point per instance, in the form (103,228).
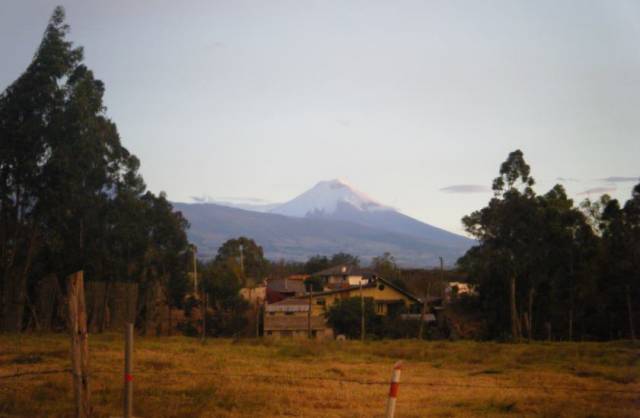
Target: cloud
(617,179)
(465,188)
(567,179)
(229,199)
(241,199)
(598,190)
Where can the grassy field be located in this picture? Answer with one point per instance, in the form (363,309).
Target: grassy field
(180,377)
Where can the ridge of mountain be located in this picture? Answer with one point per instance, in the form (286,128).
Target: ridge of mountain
(298,238)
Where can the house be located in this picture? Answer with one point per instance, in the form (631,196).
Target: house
(290,318)
(283,288)
(344,275)
(298,277)
(294,316)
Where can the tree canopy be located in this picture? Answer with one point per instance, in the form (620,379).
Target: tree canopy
(545,267)
(71,197)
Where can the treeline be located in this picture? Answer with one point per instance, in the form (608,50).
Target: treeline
(546,268)
(71,197)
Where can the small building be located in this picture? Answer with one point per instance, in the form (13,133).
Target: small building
(290,317)
(283,288)
(298,277)
(345,275)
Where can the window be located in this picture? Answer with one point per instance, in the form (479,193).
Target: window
(380,308)
(380,287)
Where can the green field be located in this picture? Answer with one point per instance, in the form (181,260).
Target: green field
(180,377)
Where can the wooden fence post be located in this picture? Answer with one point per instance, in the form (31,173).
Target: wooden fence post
(79,343)
(393,390)
(128,370)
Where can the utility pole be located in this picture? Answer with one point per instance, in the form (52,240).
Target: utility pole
(309,313)
(362,330)
(258,309)
(242,259)
(423,313)
(204,316)
(194,251)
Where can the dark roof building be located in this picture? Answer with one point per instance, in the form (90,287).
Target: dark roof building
(279,289)
(345,275)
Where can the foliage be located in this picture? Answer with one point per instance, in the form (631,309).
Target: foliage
(222,280)
(385,266)
(545,268)
(344,258)
(243,258)
(71,197)
(316,263)
(316,284)
(345,316)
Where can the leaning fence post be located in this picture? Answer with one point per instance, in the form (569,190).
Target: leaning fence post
(128,370)
(79,343)
(393,390)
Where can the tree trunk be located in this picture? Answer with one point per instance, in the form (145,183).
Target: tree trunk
(571,323)
(547,325)
(530,315)
(515,323)
(632,330)
(105,306)
(527,325)
(16,291)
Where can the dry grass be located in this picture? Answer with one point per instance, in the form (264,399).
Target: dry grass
(179,377)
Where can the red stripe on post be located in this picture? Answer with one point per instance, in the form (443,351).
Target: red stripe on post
(128,377)
(393,391)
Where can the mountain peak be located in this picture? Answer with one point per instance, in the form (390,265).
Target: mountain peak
(325,198)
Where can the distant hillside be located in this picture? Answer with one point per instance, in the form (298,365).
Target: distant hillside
(297,238)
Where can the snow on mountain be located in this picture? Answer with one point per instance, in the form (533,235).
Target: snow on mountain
(325,198)
(329,218)
(252,204)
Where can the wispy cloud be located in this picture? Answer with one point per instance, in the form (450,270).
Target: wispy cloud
(598,190)
(230,199)
(567,179)
(465,188)
(618,179)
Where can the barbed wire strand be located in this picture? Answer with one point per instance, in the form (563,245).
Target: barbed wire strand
(281,378)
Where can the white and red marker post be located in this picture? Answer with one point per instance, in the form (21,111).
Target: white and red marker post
(393,390)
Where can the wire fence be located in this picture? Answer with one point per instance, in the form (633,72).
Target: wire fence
(280,378)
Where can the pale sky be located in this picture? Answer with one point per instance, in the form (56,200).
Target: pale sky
(262,99)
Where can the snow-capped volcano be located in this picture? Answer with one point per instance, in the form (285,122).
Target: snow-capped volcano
(326,197)
(330,217)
